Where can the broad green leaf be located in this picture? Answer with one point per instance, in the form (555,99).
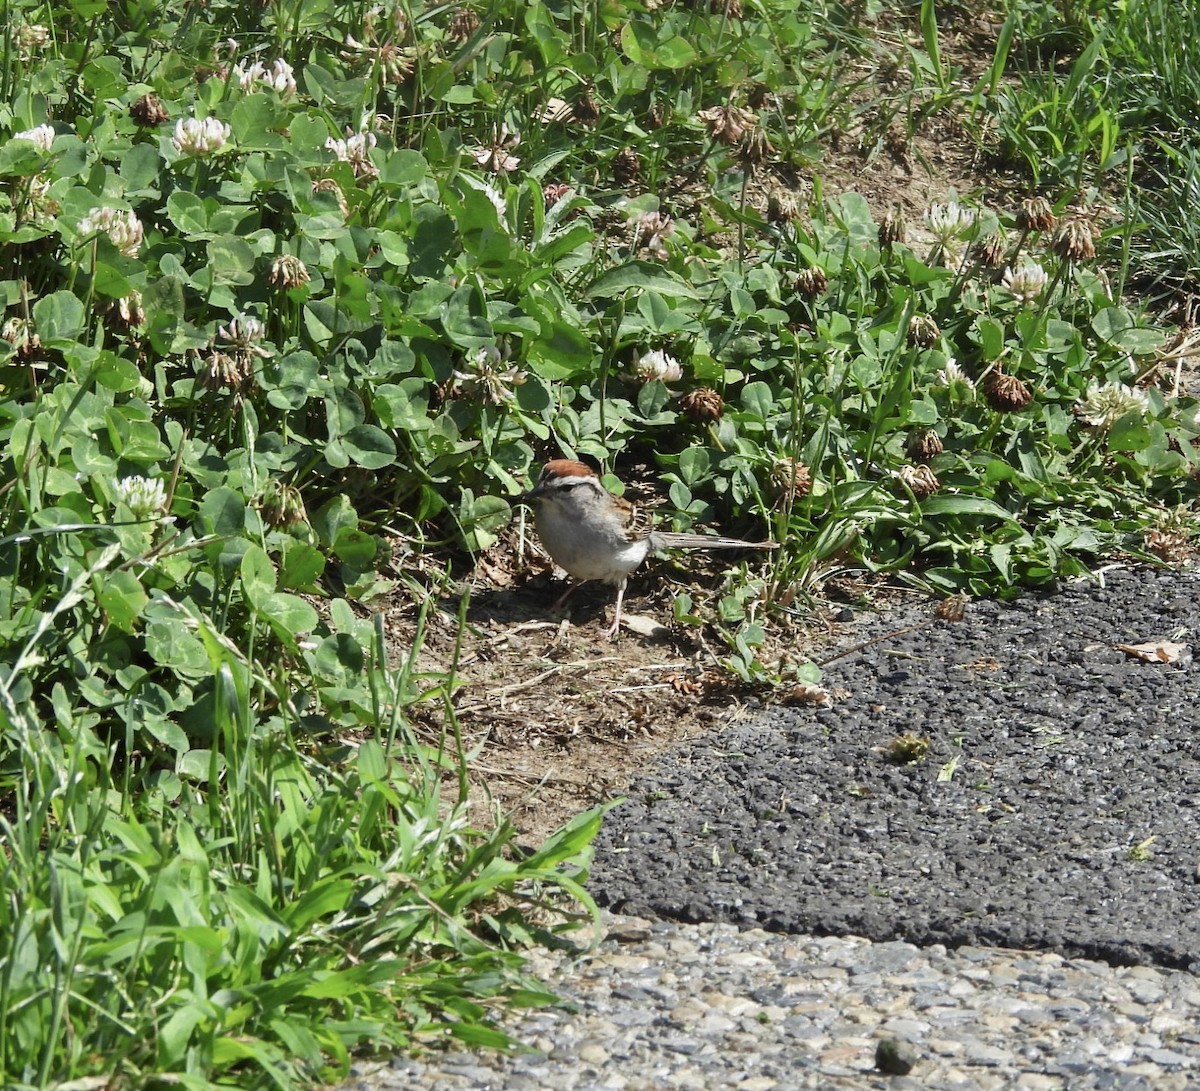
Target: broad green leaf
(369,446)
(258,576)
(188,213)
(222,511)
(58,317)
(950,504)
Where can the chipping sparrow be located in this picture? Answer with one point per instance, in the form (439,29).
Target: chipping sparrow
(596,536)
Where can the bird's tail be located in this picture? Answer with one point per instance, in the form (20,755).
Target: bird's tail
(666,539)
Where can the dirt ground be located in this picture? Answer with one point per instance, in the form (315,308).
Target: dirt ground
(563,718)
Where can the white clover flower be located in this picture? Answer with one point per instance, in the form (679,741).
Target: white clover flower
(486,377)
(122,227)
(145,497)
(1025,283)
(651,228)
(200,136)
(280,77)
(950,223)
(244,333)
(31,37)
(1106,404)
(657,364)
(355,150)
(951,374)
(41,135)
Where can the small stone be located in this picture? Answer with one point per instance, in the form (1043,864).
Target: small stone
(895,1057)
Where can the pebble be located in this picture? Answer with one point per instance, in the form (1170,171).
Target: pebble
(658,1006)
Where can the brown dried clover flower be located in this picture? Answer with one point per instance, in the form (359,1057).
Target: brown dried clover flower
(1035,214)
(586,109)
(1074,240)
(812,282)
(783,206)
(920,480)
(755,147)
(923,331)
(703,405)
(1006,393)
(627,166)
(894,229)
(225,371)
(282,505)
(991,250)
(553,192)
(790,478)
(463,23)
(287,271)
(125,313)
(924,444)
(148,110)
(727,124)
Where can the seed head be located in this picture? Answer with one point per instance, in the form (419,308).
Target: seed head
(287,271)
(790,478)
(148,110)
(727,124)
(1035,214)
(627,166)
(923,331)
(924,444)
(282,505)
(1006,393)
(812,282)
(920,480)
(782,206)
(755,148)
(893,229)
(704,405)
(1074,240)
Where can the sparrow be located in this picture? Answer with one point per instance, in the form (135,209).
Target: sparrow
(594,535)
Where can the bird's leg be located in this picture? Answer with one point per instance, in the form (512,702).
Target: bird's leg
(615,628)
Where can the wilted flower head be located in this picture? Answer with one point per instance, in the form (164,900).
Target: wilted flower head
(1106,404)
(463,23)
(924,444)
(1035,214)
(200,136)
(394,63)
(1074,240)
(145,497)
(330,185)
(148,110)
(287,271)
(41,135)
(1026,283)
(783,206)
(1006,393)
(226,370)
(487,377)
(495,157)
(31,37)
(122,227)
(923,331)
(989,251)
(920,480)
(950,223)
(703,404)
(727,124)
(651,229)
(282,505)
(953,374)
(125,313)
(656,364)
(894,229)
(355,150)
(755,147)
(790,478)
(553,192)
(812,282)
(627,165)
